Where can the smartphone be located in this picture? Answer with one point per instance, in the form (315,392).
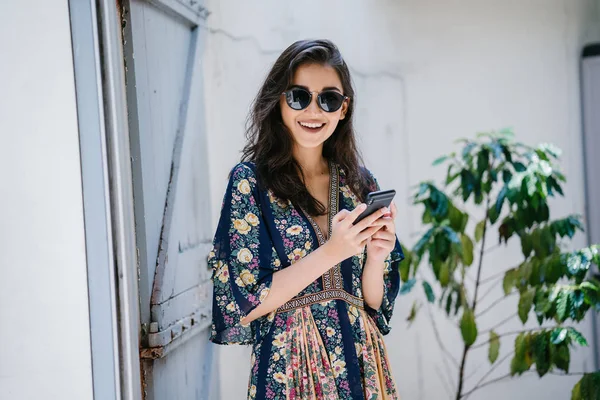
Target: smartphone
(375,201)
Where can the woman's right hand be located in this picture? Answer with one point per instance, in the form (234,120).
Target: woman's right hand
(346,239)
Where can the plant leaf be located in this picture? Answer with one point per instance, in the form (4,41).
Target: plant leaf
(493,214)
(467,245)
(500,199)
(577,337)
(468,328)
(419,248)
(509,281)
(558,335)
(577,298)
(588,388)
(428,292)
(518,364)
(479,230)
(494,350)
(404,267)
(562,305)
(526,244)
(440,160)
(525,303)
(413,312)
(561,357)
(407,286)
(541,353)
(444,273)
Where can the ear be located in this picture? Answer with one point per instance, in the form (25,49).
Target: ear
(344,109)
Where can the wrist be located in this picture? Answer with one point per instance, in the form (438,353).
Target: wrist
(372,262)
(330,253)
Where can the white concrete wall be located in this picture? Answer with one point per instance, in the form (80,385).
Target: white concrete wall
(426,73)
(44,320)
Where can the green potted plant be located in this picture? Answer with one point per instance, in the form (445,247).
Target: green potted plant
(509,183)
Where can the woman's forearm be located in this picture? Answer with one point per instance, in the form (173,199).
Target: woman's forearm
(290,281)
(372,283)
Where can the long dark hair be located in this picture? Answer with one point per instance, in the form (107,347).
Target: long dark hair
(269,142)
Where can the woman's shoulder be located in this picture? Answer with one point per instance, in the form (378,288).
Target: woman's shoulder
(244,169)
(368,177)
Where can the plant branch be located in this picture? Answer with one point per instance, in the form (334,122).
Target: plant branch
(490,290)
(477,385)
(494,303)
(469,278)
(568,373)
(493,277)
(488,383)
(498,324)
(444,383)
(469,376)
(494,247)
(442,347)
(439,338)
(475,346)
(479,267)
(500,378)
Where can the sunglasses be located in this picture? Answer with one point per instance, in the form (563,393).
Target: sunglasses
(328,100)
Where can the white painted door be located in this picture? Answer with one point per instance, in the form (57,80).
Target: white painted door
(163,59)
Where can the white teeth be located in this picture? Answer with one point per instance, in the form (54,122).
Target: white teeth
(311,125)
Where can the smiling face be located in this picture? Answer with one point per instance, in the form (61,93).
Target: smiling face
(311,127)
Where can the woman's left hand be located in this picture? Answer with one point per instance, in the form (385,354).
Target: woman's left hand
(382,242)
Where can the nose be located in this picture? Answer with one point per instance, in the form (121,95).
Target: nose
(313,107)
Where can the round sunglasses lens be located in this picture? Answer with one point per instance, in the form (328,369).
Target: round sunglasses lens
(331,101)
(298,99)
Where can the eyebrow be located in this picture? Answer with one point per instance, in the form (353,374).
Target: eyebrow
(325,88)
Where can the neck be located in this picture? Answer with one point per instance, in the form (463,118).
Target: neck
(311,161)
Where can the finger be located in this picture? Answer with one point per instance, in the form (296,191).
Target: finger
(367,233)
(384,235)
(355,213)
(380,243)
(375,228)
(340,216)
(388,223)
(394,210)
(370,219)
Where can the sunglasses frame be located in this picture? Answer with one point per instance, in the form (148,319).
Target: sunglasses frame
(310,98)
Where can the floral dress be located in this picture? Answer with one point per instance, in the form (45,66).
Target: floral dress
(326,342)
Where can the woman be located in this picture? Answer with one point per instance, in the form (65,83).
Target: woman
(293,276)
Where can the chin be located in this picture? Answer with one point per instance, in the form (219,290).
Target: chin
(306,141)
(309,144)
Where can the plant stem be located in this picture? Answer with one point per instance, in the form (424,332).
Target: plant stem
(479,267)
(461,373)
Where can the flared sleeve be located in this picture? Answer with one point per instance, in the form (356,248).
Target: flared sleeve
(243,261)
(391,277)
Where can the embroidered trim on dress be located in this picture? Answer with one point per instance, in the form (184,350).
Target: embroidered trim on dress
(319,297)
(332,280)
